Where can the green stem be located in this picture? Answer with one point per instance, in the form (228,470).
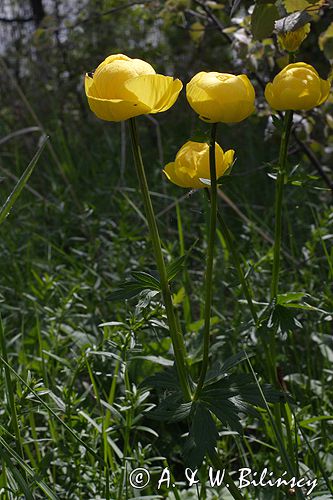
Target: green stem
(288,119)
(234,491)
(210,259)
(175,333)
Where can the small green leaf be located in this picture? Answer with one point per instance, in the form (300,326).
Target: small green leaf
(202,437)
(147,280)
(175,266)
(284,298)
(262,20)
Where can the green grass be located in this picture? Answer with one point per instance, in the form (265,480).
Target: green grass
(74,416)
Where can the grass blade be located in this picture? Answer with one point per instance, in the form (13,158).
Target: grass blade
(21,183)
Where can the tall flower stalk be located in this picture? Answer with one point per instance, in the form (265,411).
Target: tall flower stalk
(175,333)
(210,260)
(281,176)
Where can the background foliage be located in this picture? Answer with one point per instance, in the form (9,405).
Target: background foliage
(78,231)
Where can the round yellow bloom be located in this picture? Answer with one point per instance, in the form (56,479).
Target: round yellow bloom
(192,164)
(297,87)
(122,88)
(221,97)
(292,40)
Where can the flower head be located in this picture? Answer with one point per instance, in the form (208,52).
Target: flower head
(192,164)
(297,87)
(122,88)
(291,40)
(221,97)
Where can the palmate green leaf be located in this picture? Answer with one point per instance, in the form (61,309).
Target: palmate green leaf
(219,371)
(262,20)
(171,409)
(234,394)
(166,379)
(203,436)
(285,318)
(227,412)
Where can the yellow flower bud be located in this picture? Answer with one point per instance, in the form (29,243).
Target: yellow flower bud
(297,87)
(221,97)
(197,31)
(122,88)
(292,40)
(192,164)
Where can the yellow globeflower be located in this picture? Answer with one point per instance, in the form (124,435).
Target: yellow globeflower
(192,164)
(122,88)
(292,40)
(297,87)
(221,97)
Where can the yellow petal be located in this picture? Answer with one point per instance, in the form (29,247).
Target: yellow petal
(170,97)
(325,87)
(172,175)
(228,159)
(116,110)
(158,92)
(270,96)
(249,87)
(203,104)
(89,86)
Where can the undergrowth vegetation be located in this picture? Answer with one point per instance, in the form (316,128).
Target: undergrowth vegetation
(88,385)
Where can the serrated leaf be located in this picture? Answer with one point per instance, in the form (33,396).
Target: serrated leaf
(171,412)
(234,360)
(262,20)
(147,279)
(127,291)
(202,438)
(220,371)
(285,318)
(175,266)
(171,409)
(166,379)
